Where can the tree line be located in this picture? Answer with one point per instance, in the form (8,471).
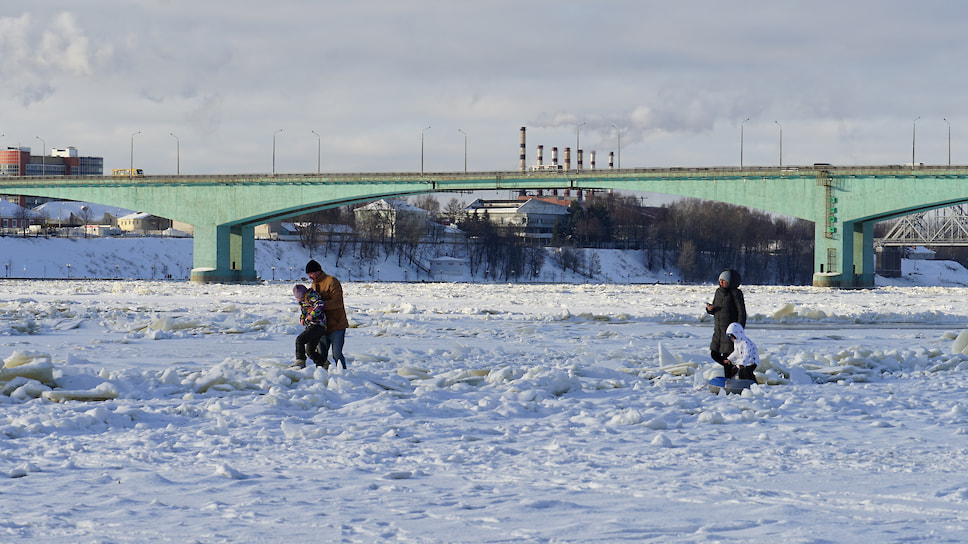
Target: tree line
(696,237)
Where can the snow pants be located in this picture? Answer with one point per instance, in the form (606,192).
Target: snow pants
(310,337)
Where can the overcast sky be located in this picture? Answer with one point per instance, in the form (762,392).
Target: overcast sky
(844,79)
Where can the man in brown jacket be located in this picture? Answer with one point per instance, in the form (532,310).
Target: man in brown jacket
(331,291)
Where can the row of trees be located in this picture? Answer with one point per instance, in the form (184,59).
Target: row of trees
(697,237)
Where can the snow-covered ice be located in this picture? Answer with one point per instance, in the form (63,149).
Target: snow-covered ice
(479,413)
(472,412)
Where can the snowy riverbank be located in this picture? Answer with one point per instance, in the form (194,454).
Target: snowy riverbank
(171,258)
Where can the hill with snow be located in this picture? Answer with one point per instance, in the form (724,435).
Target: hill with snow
(171,258)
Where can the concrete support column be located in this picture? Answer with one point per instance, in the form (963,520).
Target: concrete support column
(847,258)
(864,254)
(224,254)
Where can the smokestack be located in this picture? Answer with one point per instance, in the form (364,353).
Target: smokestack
(579,159)
(593,160)
(554,157)
(524,164)
(611,160)
(540,155)
(567,159)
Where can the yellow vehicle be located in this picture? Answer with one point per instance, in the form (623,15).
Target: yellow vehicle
(128,172)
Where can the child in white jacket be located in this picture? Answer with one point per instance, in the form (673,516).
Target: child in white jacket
(745,357)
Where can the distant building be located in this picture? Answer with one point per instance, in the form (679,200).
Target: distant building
(143,223)
(17,161)
(449,269)
(918,253)
(531,218)
(277,230)
(15,218)
(390,217)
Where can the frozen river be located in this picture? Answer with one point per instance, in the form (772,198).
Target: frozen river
(480,413)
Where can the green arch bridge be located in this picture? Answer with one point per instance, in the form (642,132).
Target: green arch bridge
(844,202)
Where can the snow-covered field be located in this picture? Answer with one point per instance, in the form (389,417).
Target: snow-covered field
(479,413)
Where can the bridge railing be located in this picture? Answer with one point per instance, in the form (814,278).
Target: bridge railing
(906,171)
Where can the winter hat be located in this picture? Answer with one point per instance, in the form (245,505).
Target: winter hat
(299,291)
(726,275)
(313,266)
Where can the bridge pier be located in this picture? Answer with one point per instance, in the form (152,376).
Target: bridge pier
(224,254)
(846,258)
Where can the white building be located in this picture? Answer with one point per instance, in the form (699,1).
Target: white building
(533,218)
(449,269)
(143,223)
(390,217)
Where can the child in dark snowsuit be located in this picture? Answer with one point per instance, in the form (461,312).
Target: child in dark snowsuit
(311,316)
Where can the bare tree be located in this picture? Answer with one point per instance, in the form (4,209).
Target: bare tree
(428,203)
(454,210)
(23,217)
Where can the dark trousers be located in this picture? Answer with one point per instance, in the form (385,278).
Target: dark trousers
(310,337)
(730,370)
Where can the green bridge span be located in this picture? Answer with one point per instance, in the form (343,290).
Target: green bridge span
(843,202)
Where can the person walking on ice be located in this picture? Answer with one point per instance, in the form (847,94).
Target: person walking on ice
(727,307)
(312,316)
(331,291)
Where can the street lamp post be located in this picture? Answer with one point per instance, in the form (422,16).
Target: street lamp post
(177,154)
(274,151)
(741,128)
(422,149)
(914,133)
(618,139)
(319,150)
(43,156)
(465,149)
(131,157)
(949,141)
(781,142)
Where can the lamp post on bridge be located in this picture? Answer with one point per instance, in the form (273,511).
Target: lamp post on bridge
(422,149)
(781,142)
(131,157)
(914,133)
(949,140)
(465,149)
(177,154)
(274,151)
(741,128)
(618,141)
(319,150)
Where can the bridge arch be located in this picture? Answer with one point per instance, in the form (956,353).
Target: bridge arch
(843,202)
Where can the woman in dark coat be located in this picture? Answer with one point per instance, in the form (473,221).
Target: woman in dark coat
(727,307)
